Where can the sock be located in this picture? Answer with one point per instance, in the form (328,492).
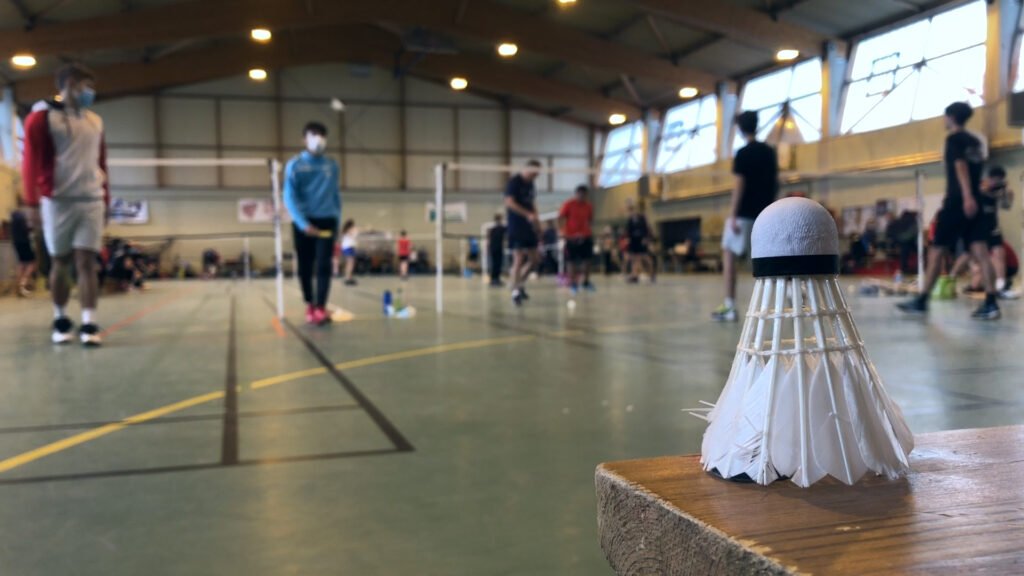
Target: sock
(88,316)
(1000,284)
(730,303)
(58,312)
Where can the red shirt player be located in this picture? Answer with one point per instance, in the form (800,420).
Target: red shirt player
(404,254)
(575,219)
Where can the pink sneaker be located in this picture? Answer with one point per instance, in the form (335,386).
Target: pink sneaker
(320,317)
(310,314)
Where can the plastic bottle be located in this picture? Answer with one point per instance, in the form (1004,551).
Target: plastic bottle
(387,301)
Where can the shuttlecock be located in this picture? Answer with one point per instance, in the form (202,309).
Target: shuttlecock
(572,305)
(803,400)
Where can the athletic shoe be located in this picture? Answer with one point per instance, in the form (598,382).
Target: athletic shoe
(632,280)
(589,287)
(522,292)
(574,289)
(320,316)
(517,297)
(497,284)
(351,282)
(89,335)
(915,306)
(62,330)
(310,314)
(1009,295)
(987,312)
(24,291)
(724,314)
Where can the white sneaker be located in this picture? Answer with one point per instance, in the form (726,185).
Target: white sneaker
(89,334)
(1009,295)
(61,330)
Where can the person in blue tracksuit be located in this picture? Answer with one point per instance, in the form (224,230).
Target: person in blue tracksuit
(313,198)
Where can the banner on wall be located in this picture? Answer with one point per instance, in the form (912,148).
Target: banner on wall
(456,212)
(255,211)
(129,211)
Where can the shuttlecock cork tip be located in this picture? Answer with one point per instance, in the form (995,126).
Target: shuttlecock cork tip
(795,237)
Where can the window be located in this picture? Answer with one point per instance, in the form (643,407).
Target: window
(792,95)
(1018,62)
(623,155)
(690,136)
(915,71)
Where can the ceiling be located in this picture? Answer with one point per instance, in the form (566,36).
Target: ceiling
(580,62)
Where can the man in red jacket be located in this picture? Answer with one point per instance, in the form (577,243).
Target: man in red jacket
(64,170)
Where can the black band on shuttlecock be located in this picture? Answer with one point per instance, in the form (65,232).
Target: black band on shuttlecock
(817,265)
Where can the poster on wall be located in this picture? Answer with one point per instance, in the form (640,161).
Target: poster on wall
(255,211)
(129,211)
(456,212)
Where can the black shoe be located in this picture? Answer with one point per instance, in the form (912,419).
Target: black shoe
(915,306)
(62,328)
(523,294)
(632,280)
(89,335)
(987,311)
(517,297)
(350,282)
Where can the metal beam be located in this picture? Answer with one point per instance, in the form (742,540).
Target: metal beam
(742,25)
(361,44)
(482,19)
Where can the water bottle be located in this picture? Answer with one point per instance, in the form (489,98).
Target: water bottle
(387,301)
(898,278)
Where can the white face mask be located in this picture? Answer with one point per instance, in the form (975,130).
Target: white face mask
(315,143)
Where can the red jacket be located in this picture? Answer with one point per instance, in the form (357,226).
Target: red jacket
(42,174)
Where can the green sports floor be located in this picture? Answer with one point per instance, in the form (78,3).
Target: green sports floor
(207,438)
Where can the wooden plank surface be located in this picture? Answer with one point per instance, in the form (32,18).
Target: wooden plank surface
(961,511)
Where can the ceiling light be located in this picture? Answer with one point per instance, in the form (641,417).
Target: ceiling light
(508,49)
(787,54)
(261,35)
(688,92)
(459,83)
(617,119)
(23,60)
(566,2)
(258,74)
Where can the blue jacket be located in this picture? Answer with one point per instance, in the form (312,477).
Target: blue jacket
(311,188)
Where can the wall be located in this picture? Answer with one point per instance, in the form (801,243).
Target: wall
(388,139)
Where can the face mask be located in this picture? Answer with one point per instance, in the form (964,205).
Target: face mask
(86,97)
(315,143)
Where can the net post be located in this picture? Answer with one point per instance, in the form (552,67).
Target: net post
(275,179)
(439,240)
(246,265)
(919,179)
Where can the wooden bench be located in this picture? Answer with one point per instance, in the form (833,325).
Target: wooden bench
(960,511)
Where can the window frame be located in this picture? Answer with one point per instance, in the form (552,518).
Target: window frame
(699,102)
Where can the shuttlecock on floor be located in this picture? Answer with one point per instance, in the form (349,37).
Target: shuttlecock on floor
(803,400)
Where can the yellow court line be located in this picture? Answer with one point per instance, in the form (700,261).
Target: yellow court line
(384,358)
(72,441)
(99,432)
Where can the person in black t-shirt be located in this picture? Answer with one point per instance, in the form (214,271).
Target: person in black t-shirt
(21,239)
(756,168)
(961,217)
(638,231)
(496,250)
(523,227)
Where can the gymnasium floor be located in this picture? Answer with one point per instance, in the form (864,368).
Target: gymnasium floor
(457,445)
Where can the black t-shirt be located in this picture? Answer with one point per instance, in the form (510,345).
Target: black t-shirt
(963,146)
(19,228)
(637,229)
(496,238)
(759,166)
(523,193)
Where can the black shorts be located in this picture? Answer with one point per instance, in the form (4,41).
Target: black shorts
(953,226)
(24,252)
(403,258)
(996,239)
(579,249)
(637,246)
(522,239)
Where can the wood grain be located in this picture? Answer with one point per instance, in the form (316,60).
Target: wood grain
(960,511)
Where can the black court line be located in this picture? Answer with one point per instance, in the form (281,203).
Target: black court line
(400,442)
(197,467)
(180,419)
(229,435)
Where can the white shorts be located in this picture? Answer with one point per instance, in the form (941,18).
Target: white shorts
(72,224)
(738,242)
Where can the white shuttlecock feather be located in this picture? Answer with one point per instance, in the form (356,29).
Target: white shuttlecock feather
(803,400)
